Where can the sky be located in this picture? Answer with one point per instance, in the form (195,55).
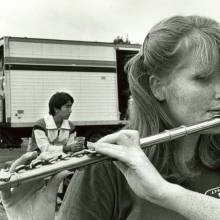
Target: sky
(94,20)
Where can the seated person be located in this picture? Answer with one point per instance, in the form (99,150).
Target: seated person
(55,133)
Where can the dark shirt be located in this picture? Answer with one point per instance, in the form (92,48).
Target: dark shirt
(100,192)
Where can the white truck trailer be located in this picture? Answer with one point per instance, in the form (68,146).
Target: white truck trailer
(32,69)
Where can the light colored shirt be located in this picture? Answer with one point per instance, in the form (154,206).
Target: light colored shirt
(46,136)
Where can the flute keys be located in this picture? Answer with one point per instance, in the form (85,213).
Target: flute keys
(59,157)
(78,154)
(90,151)
(21,168)
(36,164)
(52,160)
(64,156)
(84,152)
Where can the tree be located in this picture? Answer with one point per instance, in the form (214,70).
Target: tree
(120,40)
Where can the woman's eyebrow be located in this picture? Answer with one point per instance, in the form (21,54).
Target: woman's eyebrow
(204,71)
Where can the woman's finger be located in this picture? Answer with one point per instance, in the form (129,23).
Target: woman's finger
(132,135)
(118,152)
(111,138)
(123,137)
(23,160)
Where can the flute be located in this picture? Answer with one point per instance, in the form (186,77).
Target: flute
(26,173)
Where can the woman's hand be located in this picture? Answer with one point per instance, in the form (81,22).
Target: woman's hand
(141,175)
(33,200)
(148,184)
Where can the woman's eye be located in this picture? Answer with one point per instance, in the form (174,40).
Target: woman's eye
(201,77)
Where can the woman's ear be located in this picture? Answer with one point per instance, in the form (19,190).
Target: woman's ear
(157,87)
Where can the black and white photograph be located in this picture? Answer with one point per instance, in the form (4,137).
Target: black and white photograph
(110,110)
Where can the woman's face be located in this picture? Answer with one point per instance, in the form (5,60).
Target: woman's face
(192,95)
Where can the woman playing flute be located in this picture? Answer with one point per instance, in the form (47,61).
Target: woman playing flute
(174,80)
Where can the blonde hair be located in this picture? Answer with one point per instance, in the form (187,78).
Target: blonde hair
(163,48)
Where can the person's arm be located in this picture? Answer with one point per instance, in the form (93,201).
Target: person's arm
(148,184)
(44,145)
(43,142)
(192,205)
